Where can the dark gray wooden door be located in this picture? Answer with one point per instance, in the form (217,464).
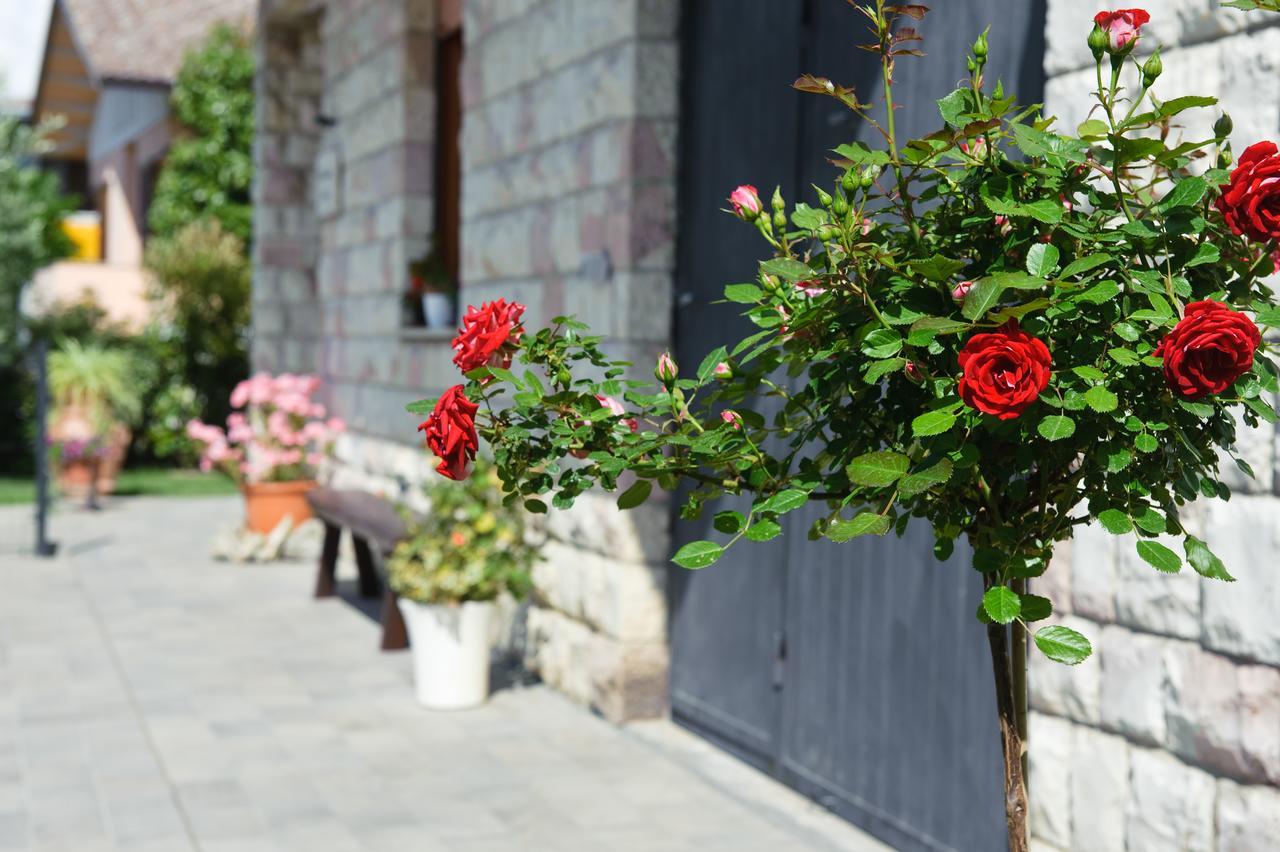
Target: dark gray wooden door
(855,673)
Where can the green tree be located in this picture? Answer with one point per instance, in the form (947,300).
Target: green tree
(209,169)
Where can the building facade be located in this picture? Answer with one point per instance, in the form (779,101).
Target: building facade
(567,167)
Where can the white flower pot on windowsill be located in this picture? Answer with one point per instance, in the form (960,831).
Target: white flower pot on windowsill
(438,309)
(450,646)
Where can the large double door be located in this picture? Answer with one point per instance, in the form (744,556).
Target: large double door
(857,672)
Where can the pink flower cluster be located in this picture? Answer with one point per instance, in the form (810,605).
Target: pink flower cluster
(280,435)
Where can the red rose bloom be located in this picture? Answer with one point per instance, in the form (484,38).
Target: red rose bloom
(1208,349)
(489,335)
(451,433)
(1004,371)
(1122,26)
(1250,202)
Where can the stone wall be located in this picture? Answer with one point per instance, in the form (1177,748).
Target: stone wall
(568,189)
(1169,736)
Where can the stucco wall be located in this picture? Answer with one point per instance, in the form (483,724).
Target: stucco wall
(1169,736)
(567,206)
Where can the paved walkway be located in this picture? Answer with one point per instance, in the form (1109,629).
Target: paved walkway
(152,699)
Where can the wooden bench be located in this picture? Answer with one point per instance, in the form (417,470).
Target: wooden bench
(376,527)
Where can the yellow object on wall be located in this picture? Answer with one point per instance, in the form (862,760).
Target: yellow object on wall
(85,230)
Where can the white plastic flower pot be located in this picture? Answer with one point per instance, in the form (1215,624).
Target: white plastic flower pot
(438,309)
(450,646)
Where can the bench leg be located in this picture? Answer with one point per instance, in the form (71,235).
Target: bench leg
(394,635)
(328,566)
(369,583)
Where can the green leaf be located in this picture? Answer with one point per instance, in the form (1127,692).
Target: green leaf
(1118,460)
(1002,604)
(1055,427)
(1150,520)
(924,330)
(1100,399)
(982,297)
(1063,645)
(764,530)
(1036,608)
(1177,105)
(808,218)
(635,495)
(1146,443)
(708,364)
(698,554)
(878,468)
(937,268)
(1260,408)
(1093,128)
(785,501)
(932,423)
(507,376)
(955,106)
(1159,557)
(1042,260)
(859,154)
(1091,374)
(1115,522)
(876,370)
(787,269)
(743,294)
(422,406)
(1206,563)
(1185,193)
(537,507)
(728,522)
(921,481)
(1205,253)
(865,523)
(1046,210)
(1085,264)
(1269,317)
(881,343)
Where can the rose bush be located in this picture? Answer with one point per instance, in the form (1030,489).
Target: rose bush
(1005,329)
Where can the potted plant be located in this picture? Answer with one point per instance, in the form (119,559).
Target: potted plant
(429,280)
(95,392)
(469,550)
(77,461)
(273,444)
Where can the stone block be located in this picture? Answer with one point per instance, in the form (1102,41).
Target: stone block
(1171,805)
(1133,679)
(597,525)
(1240,617)
(1260,721)
(1069,691)
(1049,766)
(1099,790)
(1202,713)
(1248,817)
(1055,583)
(1168,604)
(623,600)
(1093,574)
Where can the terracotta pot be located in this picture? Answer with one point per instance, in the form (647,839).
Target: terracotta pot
(266,504)
(113,458)
(76,478)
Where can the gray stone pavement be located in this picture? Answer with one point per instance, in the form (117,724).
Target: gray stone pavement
(153,699)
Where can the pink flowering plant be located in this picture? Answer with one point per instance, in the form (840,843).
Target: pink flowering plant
(1006,329)
(278,432)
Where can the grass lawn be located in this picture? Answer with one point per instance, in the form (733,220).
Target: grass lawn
(142,482)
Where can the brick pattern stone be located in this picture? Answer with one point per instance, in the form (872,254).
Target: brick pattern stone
(568,206)
(1178,710)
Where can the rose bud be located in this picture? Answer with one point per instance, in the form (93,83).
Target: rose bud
(913,372)
(746,202)
(732,417)
(824,198)
(779,205)
(1122,28)
(980,48)
(666,371)
(1223,126)
(1151,69)
(1098,42)
(1002,224)
(723,370)
(961,290)
(849,181)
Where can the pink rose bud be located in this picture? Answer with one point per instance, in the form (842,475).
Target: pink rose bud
(1003,225)
(746,201)
(724,371)
(811,288)
(1122,27)
(961,290)
(1066,203)
(666,370)
(913,372)
(731,417)
(867,225)
(616,409)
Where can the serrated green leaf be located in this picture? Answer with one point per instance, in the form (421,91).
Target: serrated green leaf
(808,218)
(785,501)
(1206,563)
(1042,260)
(1063,645)
(866,523)
(1150,520)
(932,423)
(421,406)
(1055,427)
(787,269)
(879,468)
(937,268)
(921,481)
(881,343)
(1260,408)
(635,495)
(1205,253)
(981,298)
(743,294)
(1146,443)
(1092,374)
(877,370)
(698,554)
(537,507)
(1118,460)
(1115,522)
(1177,105)
(1085,264)
(1002,604)
(1093,128)
(1159,557)
(859,154)
(764,530)
(728,522)
(708,365)
(1100,399)
(1035,608)
(1185,193)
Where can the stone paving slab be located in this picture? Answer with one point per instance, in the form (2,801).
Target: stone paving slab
(153,699)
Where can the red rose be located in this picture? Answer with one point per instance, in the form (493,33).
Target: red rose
(1251,201)
(489,335)
(1208,349)
(451,433)
(1004,371)
(1122,26)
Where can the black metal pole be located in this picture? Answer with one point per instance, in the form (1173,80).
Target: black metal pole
(44,547)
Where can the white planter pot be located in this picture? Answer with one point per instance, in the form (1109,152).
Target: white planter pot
(437,309)
(450,647)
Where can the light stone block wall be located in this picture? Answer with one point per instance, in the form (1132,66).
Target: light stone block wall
(568,188)
(1168,738)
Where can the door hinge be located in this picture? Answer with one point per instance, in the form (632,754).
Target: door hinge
(779,657)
